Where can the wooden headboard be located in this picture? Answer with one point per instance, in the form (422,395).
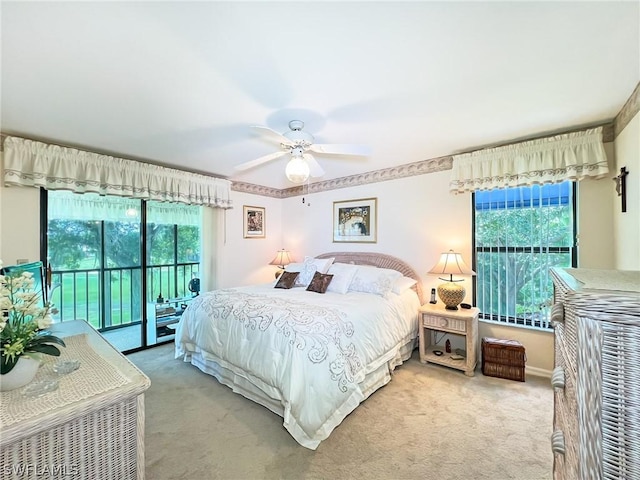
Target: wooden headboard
(380,260)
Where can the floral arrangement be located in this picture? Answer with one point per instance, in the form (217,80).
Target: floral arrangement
(23,322)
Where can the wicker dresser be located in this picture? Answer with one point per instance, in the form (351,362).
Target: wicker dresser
(596,318)
(91,426)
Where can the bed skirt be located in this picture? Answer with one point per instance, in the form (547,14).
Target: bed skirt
(378,374)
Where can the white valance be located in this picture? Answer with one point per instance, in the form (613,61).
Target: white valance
(36,164)
(572,156)
(65,205)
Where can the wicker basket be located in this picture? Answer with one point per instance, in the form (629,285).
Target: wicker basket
(503,359)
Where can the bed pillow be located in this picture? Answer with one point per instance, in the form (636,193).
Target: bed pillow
(343,274)
(320,282)
(308,268)
(378,281)
(402,284)
(287,279)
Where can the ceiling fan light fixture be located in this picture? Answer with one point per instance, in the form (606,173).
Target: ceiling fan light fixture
(297,143)
(297,170)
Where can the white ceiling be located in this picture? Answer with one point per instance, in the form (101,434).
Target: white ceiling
(180,83)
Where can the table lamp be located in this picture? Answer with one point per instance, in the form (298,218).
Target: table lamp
(283,258)
(450,292)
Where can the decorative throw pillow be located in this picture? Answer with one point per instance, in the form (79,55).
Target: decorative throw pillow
(287,280)
(309,267)
(319,282)
(343,274)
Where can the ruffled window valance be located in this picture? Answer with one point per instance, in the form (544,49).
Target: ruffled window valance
(572,156)
(35,164)
(64,205)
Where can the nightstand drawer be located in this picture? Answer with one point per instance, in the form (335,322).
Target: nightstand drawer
(451,324)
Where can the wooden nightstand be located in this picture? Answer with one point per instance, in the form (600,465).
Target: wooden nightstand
(463,322)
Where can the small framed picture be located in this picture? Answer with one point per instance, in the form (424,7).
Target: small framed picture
(355,221)
(254,222)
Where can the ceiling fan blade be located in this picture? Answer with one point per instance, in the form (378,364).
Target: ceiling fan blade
(341,149)
(260,160)
(315,170)
(272,134)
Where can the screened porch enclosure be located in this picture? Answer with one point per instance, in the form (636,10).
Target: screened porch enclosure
(96,246)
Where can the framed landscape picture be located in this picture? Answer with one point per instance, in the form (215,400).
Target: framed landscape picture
(254,222)
(355,221)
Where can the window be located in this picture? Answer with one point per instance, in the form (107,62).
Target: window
(172,249)
(519,234)
(95,249)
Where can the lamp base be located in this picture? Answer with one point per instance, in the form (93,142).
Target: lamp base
(451,294)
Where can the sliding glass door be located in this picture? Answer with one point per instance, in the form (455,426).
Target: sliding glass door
(95,250)
(172,246)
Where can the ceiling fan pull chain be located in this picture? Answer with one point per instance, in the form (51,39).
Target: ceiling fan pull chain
(303,192)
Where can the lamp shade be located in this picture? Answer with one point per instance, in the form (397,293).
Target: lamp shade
(449,292)
(451,263)
(283,258)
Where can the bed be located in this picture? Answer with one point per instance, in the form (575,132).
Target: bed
(309,357)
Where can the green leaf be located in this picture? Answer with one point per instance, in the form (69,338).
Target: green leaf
(48,339)
(46,349)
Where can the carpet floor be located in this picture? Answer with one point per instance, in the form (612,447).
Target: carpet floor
(429,422)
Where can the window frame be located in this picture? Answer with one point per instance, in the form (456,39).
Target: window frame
(520,322)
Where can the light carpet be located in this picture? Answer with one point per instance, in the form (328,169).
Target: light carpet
(429,422)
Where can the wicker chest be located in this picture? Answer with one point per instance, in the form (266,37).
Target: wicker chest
(503,358)
(91,427)
(596,379)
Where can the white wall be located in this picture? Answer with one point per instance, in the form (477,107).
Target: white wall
(627,225)
(19,223)
(595,222)
(245,261)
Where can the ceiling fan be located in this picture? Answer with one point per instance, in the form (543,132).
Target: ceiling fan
(296,142)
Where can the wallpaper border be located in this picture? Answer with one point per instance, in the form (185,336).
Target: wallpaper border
(628,111)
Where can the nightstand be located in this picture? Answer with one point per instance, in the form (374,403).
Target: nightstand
(462,322)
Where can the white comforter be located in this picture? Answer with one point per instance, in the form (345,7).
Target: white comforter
(309,351)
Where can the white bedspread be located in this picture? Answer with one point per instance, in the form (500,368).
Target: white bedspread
(310,351)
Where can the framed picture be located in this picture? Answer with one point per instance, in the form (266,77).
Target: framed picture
(355,221)
(254,222)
